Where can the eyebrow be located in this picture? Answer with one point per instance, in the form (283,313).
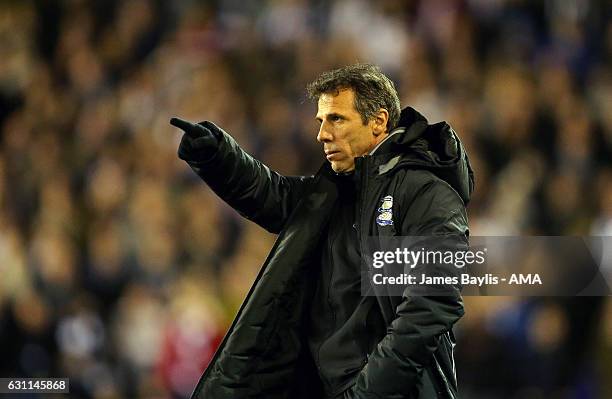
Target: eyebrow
(330,115)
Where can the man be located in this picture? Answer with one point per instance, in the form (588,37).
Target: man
(305,330)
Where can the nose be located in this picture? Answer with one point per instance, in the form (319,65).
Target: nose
(324,135)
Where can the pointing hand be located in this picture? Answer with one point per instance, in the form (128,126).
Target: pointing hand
(200,140)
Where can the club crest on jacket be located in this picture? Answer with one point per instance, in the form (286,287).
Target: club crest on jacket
(385,215)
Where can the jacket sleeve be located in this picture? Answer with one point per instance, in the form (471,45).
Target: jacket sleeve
(395,367)
(250,187)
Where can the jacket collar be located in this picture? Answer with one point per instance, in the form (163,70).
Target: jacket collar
(395,131)
(418,145)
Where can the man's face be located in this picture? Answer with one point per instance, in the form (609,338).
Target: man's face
(342,132)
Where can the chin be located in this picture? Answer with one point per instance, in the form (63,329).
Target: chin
(336,168)
(339,168)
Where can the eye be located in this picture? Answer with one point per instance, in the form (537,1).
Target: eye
(335,118)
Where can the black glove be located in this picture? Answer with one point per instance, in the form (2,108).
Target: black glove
(199,142)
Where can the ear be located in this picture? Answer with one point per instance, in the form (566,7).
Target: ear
(379,122)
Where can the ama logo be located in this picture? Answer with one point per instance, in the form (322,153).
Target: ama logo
(385,215)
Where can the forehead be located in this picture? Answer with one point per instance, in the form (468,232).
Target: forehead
(343,102)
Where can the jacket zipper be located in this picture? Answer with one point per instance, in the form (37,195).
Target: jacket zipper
(361,208)
(330,241)
(361,196)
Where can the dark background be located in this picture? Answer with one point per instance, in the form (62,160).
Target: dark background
(120,270)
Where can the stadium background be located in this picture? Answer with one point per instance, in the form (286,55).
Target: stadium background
(121,270)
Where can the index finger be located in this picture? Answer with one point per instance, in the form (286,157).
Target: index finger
(182,124)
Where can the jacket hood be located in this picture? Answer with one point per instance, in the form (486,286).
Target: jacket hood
(433,147)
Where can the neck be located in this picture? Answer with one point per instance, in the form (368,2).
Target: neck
(380,138)
(377,140)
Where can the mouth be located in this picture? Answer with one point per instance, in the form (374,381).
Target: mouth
(330,155)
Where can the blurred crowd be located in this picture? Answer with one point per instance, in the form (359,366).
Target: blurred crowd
(121,270)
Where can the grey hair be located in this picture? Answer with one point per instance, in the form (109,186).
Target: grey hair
(373,90)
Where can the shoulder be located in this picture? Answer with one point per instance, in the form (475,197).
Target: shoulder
(428,204)
(420,184)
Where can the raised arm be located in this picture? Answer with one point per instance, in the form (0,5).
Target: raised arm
(247,185)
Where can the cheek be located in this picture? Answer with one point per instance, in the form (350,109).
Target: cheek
(359,142)
(343,140)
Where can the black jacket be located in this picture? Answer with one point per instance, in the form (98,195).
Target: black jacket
(264,354)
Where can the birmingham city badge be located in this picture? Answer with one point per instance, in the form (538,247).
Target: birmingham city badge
(385,215)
